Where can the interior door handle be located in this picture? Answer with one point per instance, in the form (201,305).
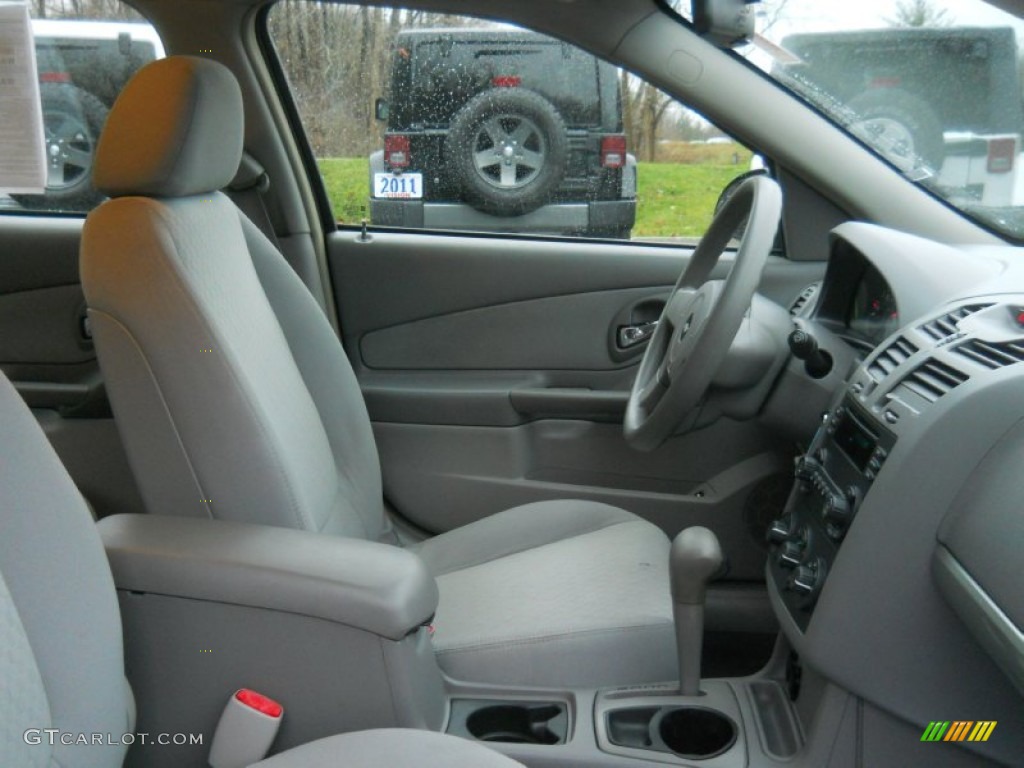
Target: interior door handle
(636,333)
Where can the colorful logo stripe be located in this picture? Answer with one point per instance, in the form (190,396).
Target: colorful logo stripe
(982,730)
(959,730)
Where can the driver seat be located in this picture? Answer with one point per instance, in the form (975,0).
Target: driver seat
(235,400)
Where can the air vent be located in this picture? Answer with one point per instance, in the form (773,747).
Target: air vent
(805,296)
(946,325)
(992,355)
(890,358)
(932,379)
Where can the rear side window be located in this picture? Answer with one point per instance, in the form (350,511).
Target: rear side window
(85,53)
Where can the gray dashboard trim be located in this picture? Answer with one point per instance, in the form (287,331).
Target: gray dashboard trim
(923,274)
(992,628)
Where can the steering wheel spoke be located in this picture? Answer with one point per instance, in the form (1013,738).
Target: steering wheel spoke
(651,394)
(701,318)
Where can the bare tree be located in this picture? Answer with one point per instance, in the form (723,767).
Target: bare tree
(83,9)
(919,13)
(643,110)
(771,12)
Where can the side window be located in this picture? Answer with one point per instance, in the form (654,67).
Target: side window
(429,121)
(85,52)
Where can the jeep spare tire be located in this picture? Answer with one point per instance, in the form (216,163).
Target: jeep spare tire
(506,150)
(901,126)
(72,121)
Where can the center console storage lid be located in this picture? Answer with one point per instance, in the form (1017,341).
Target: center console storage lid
(375,587)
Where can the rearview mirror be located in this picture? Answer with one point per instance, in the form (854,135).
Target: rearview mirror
(726,23)
(381,109)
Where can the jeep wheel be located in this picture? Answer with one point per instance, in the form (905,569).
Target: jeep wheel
(901,126)
(72,121)
(507,151)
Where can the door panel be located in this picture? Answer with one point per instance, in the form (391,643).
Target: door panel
(46,352)
(394,278)
(555,332)
(41,302)
(442,477)
(493,378)
(44,326)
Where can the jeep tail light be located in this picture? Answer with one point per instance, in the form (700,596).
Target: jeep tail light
(506,81)
(396,151)
(613,151)
(1001,154)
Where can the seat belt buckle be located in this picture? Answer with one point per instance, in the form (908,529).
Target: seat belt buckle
(246,730)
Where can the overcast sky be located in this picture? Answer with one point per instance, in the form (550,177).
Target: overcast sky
(835,15)
(821,15)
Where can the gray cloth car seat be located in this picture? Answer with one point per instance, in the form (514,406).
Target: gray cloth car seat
(235,400)
(61,657)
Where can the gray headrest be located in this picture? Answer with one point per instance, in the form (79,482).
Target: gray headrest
(175,130)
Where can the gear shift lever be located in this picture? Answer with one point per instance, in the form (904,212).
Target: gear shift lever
(696,556)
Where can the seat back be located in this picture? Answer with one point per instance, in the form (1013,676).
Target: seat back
(232,394)
(61,657)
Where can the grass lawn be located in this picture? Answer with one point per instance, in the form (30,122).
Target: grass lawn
(347,180)
(674,199)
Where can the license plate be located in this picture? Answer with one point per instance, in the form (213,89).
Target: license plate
(398,185)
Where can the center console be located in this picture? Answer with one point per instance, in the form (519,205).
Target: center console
(245,594)
(726,722)
(716,723)
(832,479)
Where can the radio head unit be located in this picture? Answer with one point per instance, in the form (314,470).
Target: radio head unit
(832,480)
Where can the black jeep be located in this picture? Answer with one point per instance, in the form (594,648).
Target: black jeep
(502,130)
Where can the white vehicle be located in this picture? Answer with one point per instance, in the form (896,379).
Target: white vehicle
(964,140)
(82,66)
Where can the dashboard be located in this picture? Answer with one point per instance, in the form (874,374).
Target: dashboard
(890,569)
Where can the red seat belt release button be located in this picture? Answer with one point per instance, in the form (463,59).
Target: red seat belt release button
(246,730)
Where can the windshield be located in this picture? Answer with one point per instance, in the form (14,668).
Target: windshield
(934,86)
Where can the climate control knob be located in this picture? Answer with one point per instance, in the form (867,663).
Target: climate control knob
(791,554)
(806,468)
(804,580)
(836,510)
(780,530)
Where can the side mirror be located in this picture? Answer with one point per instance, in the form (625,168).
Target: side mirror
(726,23)
(381,109)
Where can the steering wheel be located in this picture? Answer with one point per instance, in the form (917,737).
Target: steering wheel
(702,316)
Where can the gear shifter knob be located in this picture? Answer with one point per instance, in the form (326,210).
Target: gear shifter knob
(695,557)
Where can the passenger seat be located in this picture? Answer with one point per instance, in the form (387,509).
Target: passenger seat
(61,655)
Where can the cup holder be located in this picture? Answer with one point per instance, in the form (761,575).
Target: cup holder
(695,733)
(511,722)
